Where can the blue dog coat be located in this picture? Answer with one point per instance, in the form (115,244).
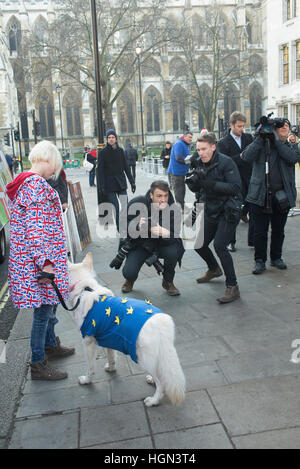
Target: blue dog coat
(116,322)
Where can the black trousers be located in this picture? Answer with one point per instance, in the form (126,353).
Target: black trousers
(136,258)
(132,170)
(261,222)
(222,232)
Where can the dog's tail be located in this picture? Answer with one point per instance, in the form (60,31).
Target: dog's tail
(169,368)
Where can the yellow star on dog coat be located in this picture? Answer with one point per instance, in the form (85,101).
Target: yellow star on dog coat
(124,300)
(130,310)
(103,298)
(149,311)
(148,302)
(108,311)
(117,320)
(94,323)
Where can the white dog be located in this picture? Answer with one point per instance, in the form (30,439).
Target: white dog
(152,345)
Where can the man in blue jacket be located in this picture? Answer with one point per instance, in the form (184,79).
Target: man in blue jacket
(178,167)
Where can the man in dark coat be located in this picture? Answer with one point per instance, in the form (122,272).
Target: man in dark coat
(283,157)
(154,218)
(233,145)
(132,157)
(111,169)
(217,183)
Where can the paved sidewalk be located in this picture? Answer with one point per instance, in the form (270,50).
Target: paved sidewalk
(242,389)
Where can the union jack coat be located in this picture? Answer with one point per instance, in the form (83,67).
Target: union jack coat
(36,236)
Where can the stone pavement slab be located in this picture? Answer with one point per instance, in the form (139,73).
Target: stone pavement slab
(242,389)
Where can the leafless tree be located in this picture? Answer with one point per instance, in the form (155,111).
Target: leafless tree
(66,46)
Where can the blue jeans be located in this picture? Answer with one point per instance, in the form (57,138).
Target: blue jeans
(42,331)
(92,177)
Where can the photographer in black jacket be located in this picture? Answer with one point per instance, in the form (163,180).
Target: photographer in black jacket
(217,183)
(271,204)
(153,219)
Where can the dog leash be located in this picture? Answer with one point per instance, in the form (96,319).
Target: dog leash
(50,276)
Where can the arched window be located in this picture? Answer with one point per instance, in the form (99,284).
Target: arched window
(14,36)
(255,103)
(72,105)
(203,66)
(177,68)
(178,108)
(255,64)
(249,30)
(205,93)
(126,114)
(151,68)
(45,107)
(41,29)
(152,105)
(197,31)
(231,100)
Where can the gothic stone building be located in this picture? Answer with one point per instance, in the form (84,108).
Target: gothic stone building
(167,110)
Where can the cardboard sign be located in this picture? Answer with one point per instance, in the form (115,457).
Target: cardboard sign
(80,214)
(5,178)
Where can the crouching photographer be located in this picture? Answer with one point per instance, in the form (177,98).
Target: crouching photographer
(153,223)
(272,190)
(216,182)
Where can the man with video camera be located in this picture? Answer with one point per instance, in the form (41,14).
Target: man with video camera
(153,227)
(272,190)
(216,182)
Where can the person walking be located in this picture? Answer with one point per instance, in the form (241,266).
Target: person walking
(132,157)
(92,158)
(217,183)
(165,157)
(178,167)
(112,170)
(38,245)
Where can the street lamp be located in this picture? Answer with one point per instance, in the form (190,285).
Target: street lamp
(138,51)
(59,90)
(100,131)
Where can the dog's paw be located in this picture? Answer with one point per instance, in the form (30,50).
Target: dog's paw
(110,368)
(149,379)
(84,380)
(150,401)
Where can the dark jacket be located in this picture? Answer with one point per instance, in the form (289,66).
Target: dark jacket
(131,155)
(228,146)
(169,219)
(255,154)
(222,170)
(111,169)
(61,186)
(164,153)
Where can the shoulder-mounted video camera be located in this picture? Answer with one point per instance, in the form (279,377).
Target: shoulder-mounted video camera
(266,125)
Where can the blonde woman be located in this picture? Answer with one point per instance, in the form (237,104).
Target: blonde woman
(37,243)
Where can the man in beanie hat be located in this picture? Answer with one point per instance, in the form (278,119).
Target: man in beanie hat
(111,169)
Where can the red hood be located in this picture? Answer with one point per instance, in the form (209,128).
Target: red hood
(12,187)
(93,153)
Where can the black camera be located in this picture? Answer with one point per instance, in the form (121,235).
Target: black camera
(128,245)
(123,251)
(267,126)
(193,178)
(295,130)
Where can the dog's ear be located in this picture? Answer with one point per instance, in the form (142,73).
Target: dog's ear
(88,261)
